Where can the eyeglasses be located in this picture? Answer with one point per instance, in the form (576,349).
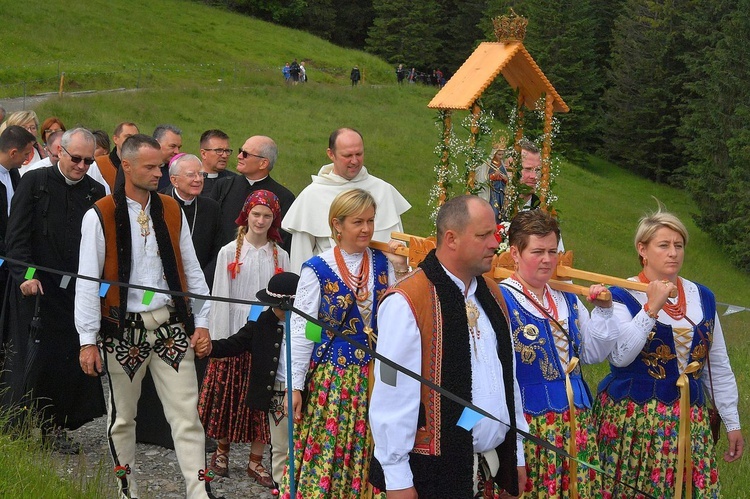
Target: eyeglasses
(51,130)
(78,159)
(245,154)
(31,128)
(220,151)
(192,175)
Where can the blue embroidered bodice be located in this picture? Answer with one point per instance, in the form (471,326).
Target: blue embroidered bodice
(654,373)
(339,310)
(540,373)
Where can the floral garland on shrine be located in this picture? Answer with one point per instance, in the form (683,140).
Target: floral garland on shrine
(450,148)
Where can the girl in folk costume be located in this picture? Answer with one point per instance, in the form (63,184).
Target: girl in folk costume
(654,431)
(243,267)
(552,335)
(342,287)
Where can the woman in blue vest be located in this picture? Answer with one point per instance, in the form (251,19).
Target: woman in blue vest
(671,351)
(341,287)
(553,334)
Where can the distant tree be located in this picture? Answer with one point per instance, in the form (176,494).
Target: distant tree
(353,20)
(716,125)
(319,18)
(403,32)
(459,31)
(285,12)
(646,80)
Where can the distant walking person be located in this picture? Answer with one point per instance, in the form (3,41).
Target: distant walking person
(400,74)
(294,72)
(355,76)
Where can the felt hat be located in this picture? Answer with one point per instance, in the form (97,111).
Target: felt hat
(281,287)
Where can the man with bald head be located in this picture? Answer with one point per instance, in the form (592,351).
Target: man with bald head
(255,160)
(466,348)
(307,218)
(44,230)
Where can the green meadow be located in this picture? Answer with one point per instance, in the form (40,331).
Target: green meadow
(199,67)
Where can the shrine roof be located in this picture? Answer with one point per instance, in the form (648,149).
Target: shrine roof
(482,67)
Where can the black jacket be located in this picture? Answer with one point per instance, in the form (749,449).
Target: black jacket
(263,340)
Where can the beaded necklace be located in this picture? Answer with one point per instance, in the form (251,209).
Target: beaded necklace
(357,283)
(677,310)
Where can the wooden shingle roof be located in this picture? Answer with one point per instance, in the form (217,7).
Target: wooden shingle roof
(482,67)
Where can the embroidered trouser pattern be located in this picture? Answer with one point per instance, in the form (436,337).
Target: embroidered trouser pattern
(279,426)
(167,354)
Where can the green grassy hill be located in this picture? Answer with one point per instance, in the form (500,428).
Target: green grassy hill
(199,68)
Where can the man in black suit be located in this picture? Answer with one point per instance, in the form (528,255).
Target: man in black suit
(255,161)
(16,146)
(215,153)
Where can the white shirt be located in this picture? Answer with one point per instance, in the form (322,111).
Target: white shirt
(307,218)
(307,300)
(634,332)
(394,410)
(256,270)
(94,173)
(146,270)
(42,163)
(599,331)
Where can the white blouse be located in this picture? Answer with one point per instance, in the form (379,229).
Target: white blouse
(634,332)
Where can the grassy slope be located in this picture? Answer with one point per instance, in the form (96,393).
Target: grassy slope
(600,204)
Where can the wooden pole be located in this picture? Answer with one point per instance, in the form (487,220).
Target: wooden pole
(62,84)
(445,158)
(475,110)
(546,151)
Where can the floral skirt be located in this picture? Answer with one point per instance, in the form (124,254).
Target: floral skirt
(333,445)
(222,407)
(548,473)
(638,444)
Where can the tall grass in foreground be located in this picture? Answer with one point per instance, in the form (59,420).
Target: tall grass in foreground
(29,469)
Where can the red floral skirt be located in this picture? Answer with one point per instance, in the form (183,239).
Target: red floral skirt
(222,406)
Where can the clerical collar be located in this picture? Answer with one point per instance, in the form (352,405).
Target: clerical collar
(253,182)
(185,201)
(67,180)
(212,175)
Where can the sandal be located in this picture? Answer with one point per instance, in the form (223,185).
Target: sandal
(219,463)
(259,473)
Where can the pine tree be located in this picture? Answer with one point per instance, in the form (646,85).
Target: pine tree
(716,125)
(405,33)
(646,84)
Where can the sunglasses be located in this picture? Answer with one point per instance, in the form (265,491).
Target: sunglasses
(78,159)
(245,154)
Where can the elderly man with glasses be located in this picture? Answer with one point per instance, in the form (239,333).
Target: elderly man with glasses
(44,230)
(255,160)
(215,154)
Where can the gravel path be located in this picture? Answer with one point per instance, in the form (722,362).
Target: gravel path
(159,475)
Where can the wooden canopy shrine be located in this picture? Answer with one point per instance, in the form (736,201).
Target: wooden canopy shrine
(509,57)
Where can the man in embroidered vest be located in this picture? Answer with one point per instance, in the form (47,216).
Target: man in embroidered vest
(109,164)
(449,323)
(140,237)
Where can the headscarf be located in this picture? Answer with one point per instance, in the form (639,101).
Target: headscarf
(269,200)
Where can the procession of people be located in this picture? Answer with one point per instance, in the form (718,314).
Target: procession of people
(379,400)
